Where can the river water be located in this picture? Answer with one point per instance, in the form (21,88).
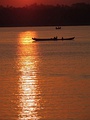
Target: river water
(44,80)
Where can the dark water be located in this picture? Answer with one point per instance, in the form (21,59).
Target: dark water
(44,80)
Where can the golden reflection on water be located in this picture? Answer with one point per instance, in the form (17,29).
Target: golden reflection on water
(28,84)
(26,37)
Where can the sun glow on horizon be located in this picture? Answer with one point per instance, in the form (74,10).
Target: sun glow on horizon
(22,3)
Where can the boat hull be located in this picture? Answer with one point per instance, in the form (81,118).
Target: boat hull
(52,39)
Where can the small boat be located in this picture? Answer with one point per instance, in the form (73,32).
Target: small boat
(52,39)
(58,27)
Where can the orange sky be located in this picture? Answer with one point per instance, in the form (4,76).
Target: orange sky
(28,2)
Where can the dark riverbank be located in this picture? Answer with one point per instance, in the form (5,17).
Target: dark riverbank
(45,15)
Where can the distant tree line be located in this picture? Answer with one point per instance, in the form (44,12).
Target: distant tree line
(45,15)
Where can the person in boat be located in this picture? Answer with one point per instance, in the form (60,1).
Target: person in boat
(58,27)
(55,38)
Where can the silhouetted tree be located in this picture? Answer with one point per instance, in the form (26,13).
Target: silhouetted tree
(40,15)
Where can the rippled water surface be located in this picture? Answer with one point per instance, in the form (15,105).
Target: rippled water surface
(44,80)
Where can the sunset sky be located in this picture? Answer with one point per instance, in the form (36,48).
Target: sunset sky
(21,3)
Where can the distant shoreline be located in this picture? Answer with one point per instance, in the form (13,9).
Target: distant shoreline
(45,26)
(43,15)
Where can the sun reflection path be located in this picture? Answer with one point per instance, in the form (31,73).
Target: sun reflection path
(28,84)
(26,37)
